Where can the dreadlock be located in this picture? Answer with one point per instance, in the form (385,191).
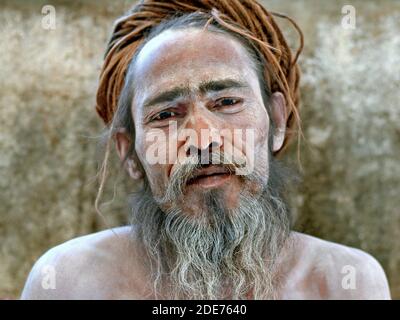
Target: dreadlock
(245,18)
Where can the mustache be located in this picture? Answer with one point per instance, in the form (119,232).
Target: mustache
(233,253)
(188,170)
(224,253)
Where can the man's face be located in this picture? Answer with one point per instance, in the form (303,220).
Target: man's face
(196,96)
(202,83)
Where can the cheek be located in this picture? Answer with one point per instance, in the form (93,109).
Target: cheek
(140,148)
(260,145)
(263,131)
(151,149)
(257,119)
(262,138)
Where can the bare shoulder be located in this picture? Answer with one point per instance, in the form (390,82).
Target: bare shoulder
(81,268)
(342,272)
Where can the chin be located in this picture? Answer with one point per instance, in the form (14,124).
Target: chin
(196,200)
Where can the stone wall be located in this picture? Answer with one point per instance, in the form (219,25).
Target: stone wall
(49,131)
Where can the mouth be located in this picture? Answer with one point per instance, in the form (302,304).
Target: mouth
(210,176)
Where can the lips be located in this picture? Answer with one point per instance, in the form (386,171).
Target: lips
(209,171)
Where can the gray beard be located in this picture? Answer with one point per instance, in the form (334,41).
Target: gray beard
(221,253)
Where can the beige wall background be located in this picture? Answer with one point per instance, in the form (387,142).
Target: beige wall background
(49,130)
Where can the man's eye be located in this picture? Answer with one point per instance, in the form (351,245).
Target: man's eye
(164,115)
(227,102)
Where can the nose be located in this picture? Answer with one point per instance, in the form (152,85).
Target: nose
(207,137)
(203,154)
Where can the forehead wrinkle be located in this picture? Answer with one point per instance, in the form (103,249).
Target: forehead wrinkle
(167,45)
(203,88)
(170,50)
(191,77)
(160,75)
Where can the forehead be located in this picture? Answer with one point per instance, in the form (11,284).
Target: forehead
(189,57)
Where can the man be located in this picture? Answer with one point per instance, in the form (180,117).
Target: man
(199,111)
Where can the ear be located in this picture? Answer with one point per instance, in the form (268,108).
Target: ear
(123,144)
(278,114)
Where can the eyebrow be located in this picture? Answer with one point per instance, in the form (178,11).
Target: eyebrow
(204,87)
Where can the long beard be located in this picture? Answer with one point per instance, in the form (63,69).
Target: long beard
(221,253)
